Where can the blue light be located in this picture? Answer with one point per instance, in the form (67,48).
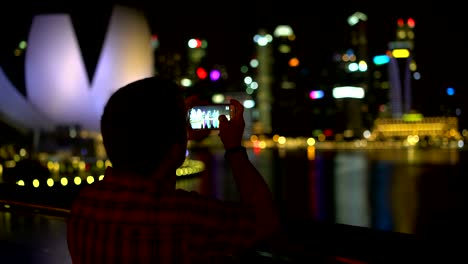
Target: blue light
(450,91)
(381,59)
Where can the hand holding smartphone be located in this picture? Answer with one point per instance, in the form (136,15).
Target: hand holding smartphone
(206,116)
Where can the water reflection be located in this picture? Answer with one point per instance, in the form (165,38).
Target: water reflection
(351,179)
(400,190)
(412,191)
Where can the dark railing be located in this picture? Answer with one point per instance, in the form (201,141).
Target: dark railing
(281,249)
(318,243)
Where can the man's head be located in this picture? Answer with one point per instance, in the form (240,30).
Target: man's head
(141,122)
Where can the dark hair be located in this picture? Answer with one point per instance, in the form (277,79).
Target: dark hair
(140,122)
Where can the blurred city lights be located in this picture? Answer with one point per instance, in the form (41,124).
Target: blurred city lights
(450,91)
(381,59)
(201,73)
(254,63)
(249,103)
(294,62)
(90,179)
(215,75)
(194,43)
(186,82)
(400,53)
(263,40)
(348,92)
(356,17)
(64,181)
(50,182)
(317,94)
(283,31)
(217,98)
(77,180)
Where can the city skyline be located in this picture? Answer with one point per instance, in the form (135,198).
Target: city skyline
(439,33)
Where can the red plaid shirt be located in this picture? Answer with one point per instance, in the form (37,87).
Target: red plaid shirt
(126,219)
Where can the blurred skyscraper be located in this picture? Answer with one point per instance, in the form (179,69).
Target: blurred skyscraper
(352,79)
(288,97)
(401,68)
(264,79)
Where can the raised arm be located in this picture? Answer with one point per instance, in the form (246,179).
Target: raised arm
(252,187)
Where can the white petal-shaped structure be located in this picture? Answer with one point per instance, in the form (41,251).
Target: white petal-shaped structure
(55,74)
(127,54)
(17,111)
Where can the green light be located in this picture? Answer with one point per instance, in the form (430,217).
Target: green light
(22,44)
(412,117)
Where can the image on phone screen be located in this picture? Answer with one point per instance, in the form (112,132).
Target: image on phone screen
(206,116)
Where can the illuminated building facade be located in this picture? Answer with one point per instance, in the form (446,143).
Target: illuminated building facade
(434,129)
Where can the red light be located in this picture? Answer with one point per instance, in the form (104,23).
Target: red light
(201,73)
(411,23)
(400,22)
(199,43)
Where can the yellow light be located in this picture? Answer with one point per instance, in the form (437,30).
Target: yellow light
(90,179)
(275,138)
(22,152)
(101,177)
(36,183)
(50,182)
(17,52)
(20,183)
(262,144)
(81,165)
(10,164)
(311,153)
(413,140)
(64,181)
(50,165)
(77,180)
(322,137)
(400,53)
(281,140)
(1,169)
(413,67)
(99,164)
(311,141)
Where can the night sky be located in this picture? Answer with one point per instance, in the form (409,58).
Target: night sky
(228,26)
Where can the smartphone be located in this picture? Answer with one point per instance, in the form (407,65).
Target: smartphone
(206,116)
